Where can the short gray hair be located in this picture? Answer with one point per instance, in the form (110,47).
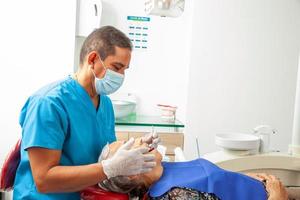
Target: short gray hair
(123,184)
(104,40)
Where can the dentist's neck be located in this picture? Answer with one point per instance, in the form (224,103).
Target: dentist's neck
(86,79)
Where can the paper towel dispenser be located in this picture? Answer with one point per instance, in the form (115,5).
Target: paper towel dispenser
(88,16)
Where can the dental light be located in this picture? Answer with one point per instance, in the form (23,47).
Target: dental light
(164,8)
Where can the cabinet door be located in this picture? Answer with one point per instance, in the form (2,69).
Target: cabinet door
(171,141)
(122,135)
(136,134)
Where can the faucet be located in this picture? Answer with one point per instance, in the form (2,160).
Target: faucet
(264,133)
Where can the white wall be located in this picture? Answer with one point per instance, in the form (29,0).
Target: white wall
(243,58)
(36,47)
(243,69)
(158,75)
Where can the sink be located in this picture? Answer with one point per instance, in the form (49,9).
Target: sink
(123,108)
(238,141)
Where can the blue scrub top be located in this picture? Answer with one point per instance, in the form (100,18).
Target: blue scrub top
(61,116)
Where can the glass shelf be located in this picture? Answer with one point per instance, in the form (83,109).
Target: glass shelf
(142,120)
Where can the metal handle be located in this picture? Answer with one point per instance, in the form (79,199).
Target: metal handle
(96,9)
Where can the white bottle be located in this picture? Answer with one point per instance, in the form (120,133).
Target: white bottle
(264,133)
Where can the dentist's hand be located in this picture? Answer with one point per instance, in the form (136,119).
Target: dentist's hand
(128,161)
(151,139)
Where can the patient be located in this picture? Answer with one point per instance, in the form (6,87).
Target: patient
(163,186)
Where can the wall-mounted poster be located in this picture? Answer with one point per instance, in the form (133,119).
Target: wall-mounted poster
(138,30)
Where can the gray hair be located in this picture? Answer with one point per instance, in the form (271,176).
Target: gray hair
(122,184)
(104,40)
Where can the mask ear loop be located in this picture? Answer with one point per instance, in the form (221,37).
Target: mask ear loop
(103,64)
(90,66)
(94,81)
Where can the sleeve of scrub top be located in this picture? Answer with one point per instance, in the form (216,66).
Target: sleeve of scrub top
(45,125)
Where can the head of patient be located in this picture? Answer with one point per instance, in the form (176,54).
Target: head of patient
(131,184)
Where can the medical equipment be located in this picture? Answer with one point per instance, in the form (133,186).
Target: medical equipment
(162,150)
(238,143)
(238,155)
(285,167)
(246,144)
(164,8)
(179,156)
(264,133)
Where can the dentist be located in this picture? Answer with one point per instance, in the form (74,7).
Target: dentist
(66,124)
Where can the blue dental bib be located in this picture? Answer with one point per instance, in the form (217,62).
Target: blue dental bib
(204,176)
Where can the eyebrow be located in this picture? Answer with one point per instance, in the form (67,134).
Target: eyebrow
(120,64)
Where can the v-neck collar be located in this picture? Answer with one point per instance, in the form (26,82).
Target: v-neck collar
(84,96)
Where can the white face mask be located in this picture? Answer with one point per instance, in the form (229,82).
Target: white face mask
(110,83)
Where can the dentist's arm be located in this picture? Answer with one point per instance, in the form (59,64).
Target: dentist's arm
(50,177)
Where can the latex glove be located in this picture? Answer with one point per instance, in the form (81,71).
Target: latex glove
(128,161)
(151,139)
(104,153)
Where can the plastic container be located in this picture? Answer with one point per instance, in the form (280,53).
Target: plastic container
(123,108)
(167,111)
